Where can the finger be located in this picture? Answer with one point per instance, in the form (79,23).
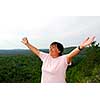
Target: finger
(86,39)
(24,38)
(93,37)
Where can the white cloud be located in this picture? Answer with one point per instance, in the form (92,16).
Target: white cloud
(23,19)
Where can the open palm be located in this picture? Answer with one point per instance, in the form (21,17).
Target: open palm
(87,41)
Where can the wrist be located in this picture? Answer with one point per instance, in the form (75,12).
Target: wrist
(80,47)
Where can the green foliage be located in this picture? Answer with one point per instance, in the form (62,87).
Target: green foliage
(26,68)
(20,69)
(87,70)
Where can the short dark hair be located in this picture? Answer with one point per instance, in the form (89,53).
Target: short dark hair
(59,46)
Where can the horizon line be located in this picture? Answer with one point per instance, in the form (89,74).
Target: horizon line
(28,49)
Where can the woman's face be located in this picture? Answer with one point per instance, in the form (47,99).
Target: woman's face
(54,51)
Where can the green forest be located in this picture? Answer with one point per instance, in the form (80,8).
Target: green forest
(26,67)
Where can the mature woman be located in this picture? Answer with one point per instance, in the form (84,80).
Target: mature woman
(54,63)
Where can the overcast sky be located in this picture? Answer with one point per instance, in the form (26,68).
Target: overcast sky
(18,20)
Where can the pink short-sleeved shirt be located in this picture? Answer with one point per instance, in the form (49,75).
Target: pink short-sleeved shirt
(53,69)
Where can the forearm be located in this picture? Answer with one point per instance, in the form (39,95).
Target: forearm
(33,49)
(77,50)
(74,53)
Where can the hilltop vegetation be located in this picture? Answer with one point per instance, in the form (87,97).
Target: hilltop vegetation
(20,68)
(86,66)
(26,67)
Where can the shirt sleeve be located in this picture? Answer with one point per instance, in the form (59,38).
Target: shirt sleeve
(65,58)
(43,55)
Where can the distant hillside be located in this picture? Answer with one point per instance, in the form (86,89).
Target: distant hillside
(68,49)
(14,52)
(18,51)
(25,51)
(28,52)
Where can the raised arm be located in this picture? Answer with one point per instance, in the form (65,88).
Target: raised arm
(77,50)
(32,48)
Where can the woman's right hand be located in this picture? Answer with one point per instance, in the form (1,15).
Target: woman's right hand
(25,40)
(32,48)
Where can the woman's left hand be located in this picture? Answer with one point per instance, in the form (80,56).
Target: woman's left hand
(87,41)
